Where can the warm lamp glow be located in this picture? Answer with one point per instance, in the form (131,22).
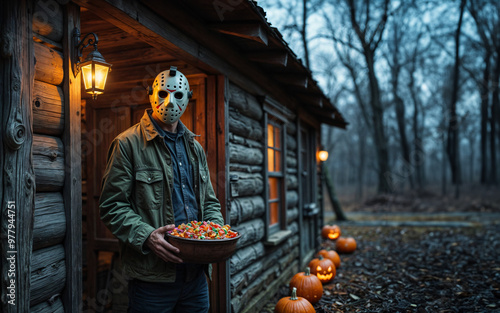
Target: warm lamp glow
(94,69)
(323,155)
(94,73)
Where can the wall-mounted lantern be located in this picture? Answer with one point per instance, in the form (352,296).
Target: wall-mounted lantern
(94,68)
(322,155)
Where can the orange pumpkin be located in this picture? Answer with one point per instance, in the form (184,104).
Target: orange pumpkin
(294,304)
(332,255)
(308,286)
(346,245)
(323,268)
(330,232)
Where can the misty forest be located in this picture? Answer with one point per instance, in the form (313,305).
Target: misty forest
(416,80)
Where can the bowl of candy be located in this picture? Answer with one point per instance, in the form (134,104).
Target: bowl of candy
(203,242)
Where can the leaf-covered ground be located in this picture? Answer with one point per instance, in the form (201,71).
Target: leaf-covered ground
(432,260)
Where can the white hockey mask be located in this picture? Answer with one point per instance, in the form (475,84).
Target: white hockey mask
(170,95)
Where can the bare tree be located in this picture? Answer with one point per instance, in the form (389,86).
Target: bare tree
(486,15)
(452,140)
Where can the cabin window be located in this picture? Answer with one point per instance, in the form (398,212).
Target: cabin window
(275,175)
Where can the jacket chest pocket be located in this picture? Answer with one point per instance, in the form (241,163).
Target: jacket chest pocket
(149,189)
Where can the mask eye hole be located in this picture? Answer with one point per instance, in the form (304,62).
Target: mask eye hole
(162,94)
(178,95)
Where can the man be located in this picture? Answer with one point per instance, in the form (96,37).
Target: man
(157,177)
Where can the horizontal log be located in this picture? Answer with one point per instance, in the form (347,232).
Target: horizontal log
(49,306)
(245,126)
(245,103)
(246,208)
(246,184)
(234,167)
(245,155)
(48,20)
(251,232)
(243,278)
(48,109)
(245,141)
(48,161)
(48,65)
(294,227)
(49,225)
(291,162)
(291,142)
(292,214)
(268,291)
(292,198)
(246,256)
(292,182)
(48,274)
(256,287)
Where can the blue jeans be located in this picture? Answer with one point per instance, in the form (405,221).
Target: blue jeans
(181,296)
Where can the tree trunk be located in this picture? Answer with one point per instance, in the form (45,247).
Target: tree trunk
(452,142)
(380,138)
(303,33)
(330,187)
(495,103)
(484,86)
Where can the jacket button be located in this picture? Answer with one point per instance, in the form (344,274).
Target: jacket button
(149,178)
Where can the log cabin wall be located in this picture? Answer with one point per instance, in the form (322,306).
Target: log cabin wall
(258,268)
(52,165)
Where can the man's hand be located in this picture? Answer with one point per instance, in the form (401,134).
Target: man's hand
(162,248)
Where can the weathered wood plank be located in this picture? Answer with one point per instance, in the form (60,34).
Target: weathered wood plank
(251,232)
(48,20)
(246,184)
(48,109)
(245,103)
(234,167)
(292,198)
(291,162)
(246,256)
(244,126)
(72,191)
(245,155)
(245,208)
(248,30)
(49,65)
(49,306)
(48,274)
(48,157)
(245,141)
(49,210)
(292,214)
(17,175)
(292,182)
(291,142)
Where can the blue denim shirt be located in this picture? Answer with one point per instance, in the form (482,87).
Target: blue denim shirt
(183,196)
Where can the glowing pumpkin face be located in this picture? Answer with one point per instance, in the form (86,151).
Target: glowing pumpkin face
(330,232)
(324,274)
(323,268)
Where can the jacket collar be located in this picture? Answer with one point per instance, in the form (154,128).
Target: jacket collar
(149,130)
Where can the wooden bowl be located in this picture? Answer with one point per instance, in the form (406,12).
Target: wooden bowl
(203,251)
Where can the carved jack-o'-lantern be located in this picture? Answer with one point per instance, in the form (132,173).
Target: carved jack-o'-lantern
(330,232)
(323,268)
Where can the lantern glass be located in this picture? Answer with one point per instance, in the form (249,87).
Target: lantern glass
(323,155)
(94,75)
(101,74)
(87,76)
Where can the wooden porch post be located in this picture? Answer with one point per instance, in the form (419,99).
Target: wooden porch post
(17,179)
(72,192)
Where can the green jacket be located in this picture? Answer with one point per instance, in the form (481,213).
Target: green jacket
(136,195)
